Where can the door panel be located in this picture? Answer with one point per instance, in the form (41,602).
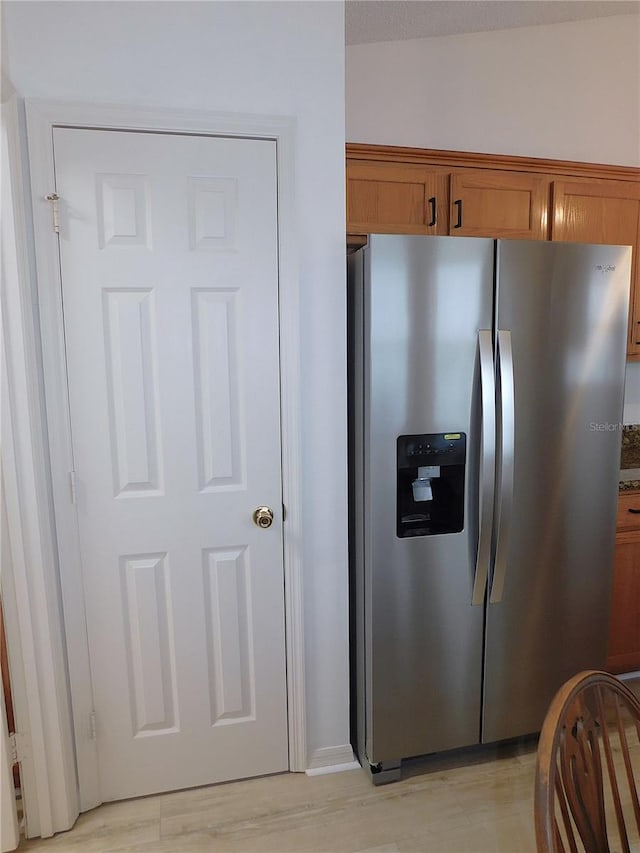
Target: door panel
(488,203)
(390,198)
(602,212)
(424,302)
(623,653)
(565,306)
(168,249)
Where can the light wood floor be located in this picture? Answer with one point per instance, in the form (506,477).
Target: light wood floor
(478,801)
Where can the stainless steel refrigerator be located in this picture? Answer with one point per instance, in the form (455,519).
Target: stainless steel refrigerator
(486,394)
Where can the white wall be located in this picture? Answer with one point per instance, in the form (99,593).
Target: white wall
(265,57)
(566,91)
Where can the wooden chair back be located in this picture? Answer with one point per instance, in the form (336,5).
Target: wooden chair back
(588,768)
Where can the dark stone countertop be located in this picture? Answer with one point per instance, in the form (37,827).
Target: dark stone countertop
(630,455)
(630,452)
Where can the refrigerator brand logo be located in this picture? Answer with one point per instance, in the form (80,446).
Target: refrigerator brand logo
(605,267)
(604,427)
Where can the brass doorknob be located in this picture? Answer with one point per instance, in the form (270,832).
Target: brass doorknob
(263,517)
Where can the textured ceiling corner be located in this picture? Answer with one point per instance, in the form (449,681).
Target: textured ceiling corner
(370,21)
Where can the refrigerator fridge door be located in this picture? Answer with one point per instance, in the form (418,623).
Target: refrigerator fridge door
(424,302)
(562,314)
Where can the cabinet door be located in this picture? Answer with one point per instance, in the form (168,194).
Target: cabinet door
(628,513)
(487,203)
(624,630)
(633,350)
(602,212)
(389,198)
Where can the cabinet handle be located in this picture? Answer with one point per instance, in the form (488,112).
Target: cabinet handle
(458,204)
(432,207)
(634,511)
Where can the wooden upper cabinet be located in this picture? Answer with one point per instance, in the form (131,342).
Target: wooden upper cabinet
(487,203)
(389,198)
(602,212)
(404,198)
(596,211)
(423,191)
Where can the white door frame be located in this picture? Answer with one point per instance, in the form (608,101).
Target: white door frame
(42,117)
(44,736)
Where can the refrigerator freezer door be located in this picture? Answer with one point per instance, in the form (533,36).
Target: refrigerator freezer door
(566,308)
(425,301)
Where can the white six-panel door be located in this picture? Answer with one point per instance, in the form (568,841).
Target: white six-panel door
(168,249)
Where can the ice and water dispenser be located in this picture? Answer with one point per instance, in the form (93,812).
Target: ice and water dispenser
(430,484)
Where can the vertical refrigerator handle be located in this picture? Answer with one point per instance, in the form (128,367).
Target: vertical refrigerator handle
(487,465)
(505,489)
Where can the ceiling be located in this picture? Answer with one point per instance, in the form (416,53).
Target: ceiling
(390,20)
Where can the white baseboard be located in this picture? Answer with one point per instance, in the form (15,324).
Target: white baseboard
(332,759)
(626,676)
(333,768)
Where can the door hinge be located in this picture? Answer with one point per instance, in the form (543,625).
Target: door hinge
(92,726)
(54,198)
(17,750)
(13,749)
(284,512)
(72,485)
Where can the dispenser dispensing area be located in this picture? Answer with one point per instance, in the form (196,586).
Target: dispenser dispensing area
(430,484)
